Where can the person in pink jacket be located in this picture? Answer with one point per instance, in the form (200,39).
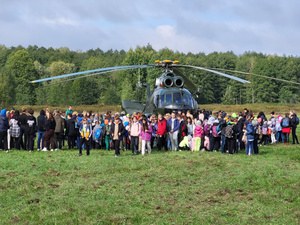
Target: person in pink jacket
(198,134)
(135,129)
(146,132)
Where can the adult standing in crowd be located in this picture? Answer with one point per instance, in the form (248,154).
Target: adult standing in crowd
(3,130)
(50,127)
(41,125)
(294,123)
(59,129)
(23,124)
(172,127)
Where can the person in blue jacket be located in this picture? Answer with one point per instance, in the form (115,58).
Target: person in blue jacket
(250,137)
(3,130)
(172,128)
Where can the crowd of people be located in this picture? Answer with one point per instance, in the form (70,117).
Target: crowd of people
(201,131)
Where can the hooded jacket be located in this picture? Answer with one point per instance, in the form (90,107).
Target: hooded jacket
(146,135)
(3,122)
(198,132)
(42,120)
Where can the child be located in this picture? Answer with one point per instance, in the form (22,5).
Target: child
(135,130)
(117,131)
(106,132)
(250,137)
(264,130)
(86,133)
(70,131)
(230,134)
(97,134)
(190,126)
(198,134)
(146,132)
(278,129)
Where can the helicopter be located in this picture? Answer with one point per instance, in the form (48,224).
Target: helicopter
(173,91)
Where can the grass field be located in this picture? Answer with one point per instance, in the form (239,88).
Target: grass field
(163,188)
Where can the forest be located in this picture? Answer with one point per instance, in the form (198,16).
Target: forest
(19,65)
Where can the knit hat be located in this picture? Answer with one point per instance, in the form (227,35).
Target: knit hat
(3,112)
(234,115)
(198,123)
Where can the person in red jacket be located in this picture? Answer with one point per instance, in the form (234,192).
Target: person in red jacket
(161,133)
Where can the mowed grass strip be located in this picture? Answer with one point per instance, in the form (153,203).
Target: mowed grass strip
(161,188)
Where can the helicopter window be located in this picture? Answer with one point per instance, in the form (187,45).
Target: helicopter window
(168,99)
(161,102)
(192,103)
(185,99)
(177,97)
(156,100)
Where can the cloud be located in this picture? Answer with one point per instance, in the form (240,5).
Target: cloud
(188,26)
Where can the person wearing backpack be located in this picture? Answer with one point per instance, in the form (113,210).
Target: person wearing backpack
(294,123)
(85,131)
(31,129)
(215,137)
(230,134)
(265,135)
(97,134)
(286,130)
(278,129)
(222,127)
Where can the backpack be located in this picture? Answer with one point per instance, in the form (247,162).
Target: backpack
(264,130)
(229,131)
(278,127)
(215,132)
(206,130)
(297,120)
(98,133)
(285,122)
(219,128)
(269,131)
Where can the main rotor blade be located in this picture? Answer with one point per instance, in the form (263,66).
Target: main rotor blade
(89,75)
(217,72)
(92,71)
(272,78)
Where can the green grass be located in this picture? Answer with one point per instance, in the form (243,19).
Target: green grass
(163,188)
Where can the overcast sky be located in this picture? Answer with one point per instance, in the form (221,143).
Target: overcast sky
(267,26)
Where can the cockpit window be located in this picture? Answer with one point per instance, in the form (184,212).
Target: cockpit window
(185,99)
(168,99)
(161,102)
(192,103)
(177,97)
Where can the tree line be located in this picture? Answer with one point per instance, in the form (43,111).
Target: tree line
(19,65)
